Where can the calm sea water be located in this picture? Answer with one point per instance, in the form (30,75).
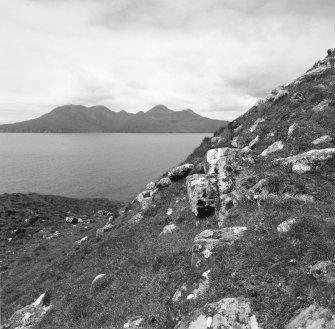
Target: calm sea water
(114,166)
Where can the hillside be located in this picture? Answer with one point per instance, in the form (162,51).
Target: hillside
(239,236)
(81,119)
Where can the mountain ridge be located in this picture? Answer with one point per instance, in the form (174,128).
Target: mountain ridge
(99,118)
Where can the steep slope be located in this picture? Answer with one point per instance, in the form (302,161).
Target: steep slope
(78,118)
(240,236)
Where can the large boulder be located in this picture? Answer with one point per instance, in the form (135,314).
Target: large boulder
(228,165)
(313,317)
(180,171)
(229,313)
(305,162)
(202,194)
(29,316)
(205,242)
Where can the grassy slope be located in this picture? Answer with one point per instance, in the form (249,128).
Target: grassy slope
(144,269)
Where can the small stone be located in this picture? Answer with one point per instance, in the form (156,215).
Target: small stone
(71,220)
(255,124)
(190,296)
(163,182)
(150,186)
(169,211)
(79,242)
(286,225)
(168,229)
(275,147)
(322,139)
(291,129)
(98,277)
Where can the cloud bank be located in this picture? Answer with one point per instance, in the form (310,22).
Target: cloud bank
(214,56)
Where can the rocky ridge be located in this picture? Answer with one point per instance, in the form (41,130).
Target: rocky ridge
(241,234)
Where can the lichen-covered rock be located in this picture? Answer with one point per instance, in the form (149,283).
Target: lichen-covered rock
(286,225)
(313,317)
(227,165)
(230,313)
(29,316)
(275,147)
(163,182)
(202,194)
(322,139)
(180,171)
(255,124)
(324,271)
(205,242)
(304,162)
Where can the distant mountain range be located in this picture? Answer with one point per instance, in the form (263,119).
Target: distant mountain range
(82,119)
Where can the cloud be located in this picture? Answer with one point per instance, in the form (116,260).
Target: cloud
(214,56)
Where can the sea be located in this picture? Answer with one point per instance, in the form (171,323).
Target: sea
(103,165)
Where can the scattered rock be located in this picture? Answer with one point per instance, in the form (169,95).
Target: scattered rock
(313,317)
(254,142)
(280,94)
(331,52)
(203,285)
(319,68)
(163,182)
(202,194)
(297,99)
(322,139)
(180,171)
(321,106)
(53,236)
(275,147)
(226,313)
(79,242)
(150,186)
(235,142)
(29,316)
(205,242)
(97,278)
(291,129)
(286,225)
(177,295)
(304,162)
(134,323)
(71,220)
(168,229)
(324,271)
(255,124)
(136,219)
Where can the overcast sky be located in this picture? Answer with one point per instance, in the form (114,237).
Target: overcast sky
(213,56)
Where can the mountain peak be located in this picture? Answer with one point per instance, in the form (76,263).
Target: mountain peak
(159,109)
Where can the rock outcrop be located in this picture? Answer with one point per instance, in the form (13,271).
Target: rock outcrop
(313,317)
(226,313)
(29,316)
(307,161)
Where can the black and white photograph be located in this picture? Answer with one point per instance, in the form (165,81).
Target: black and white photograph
(167,164)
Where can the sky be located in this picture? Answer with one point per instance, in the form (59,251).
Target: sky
(216,57)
